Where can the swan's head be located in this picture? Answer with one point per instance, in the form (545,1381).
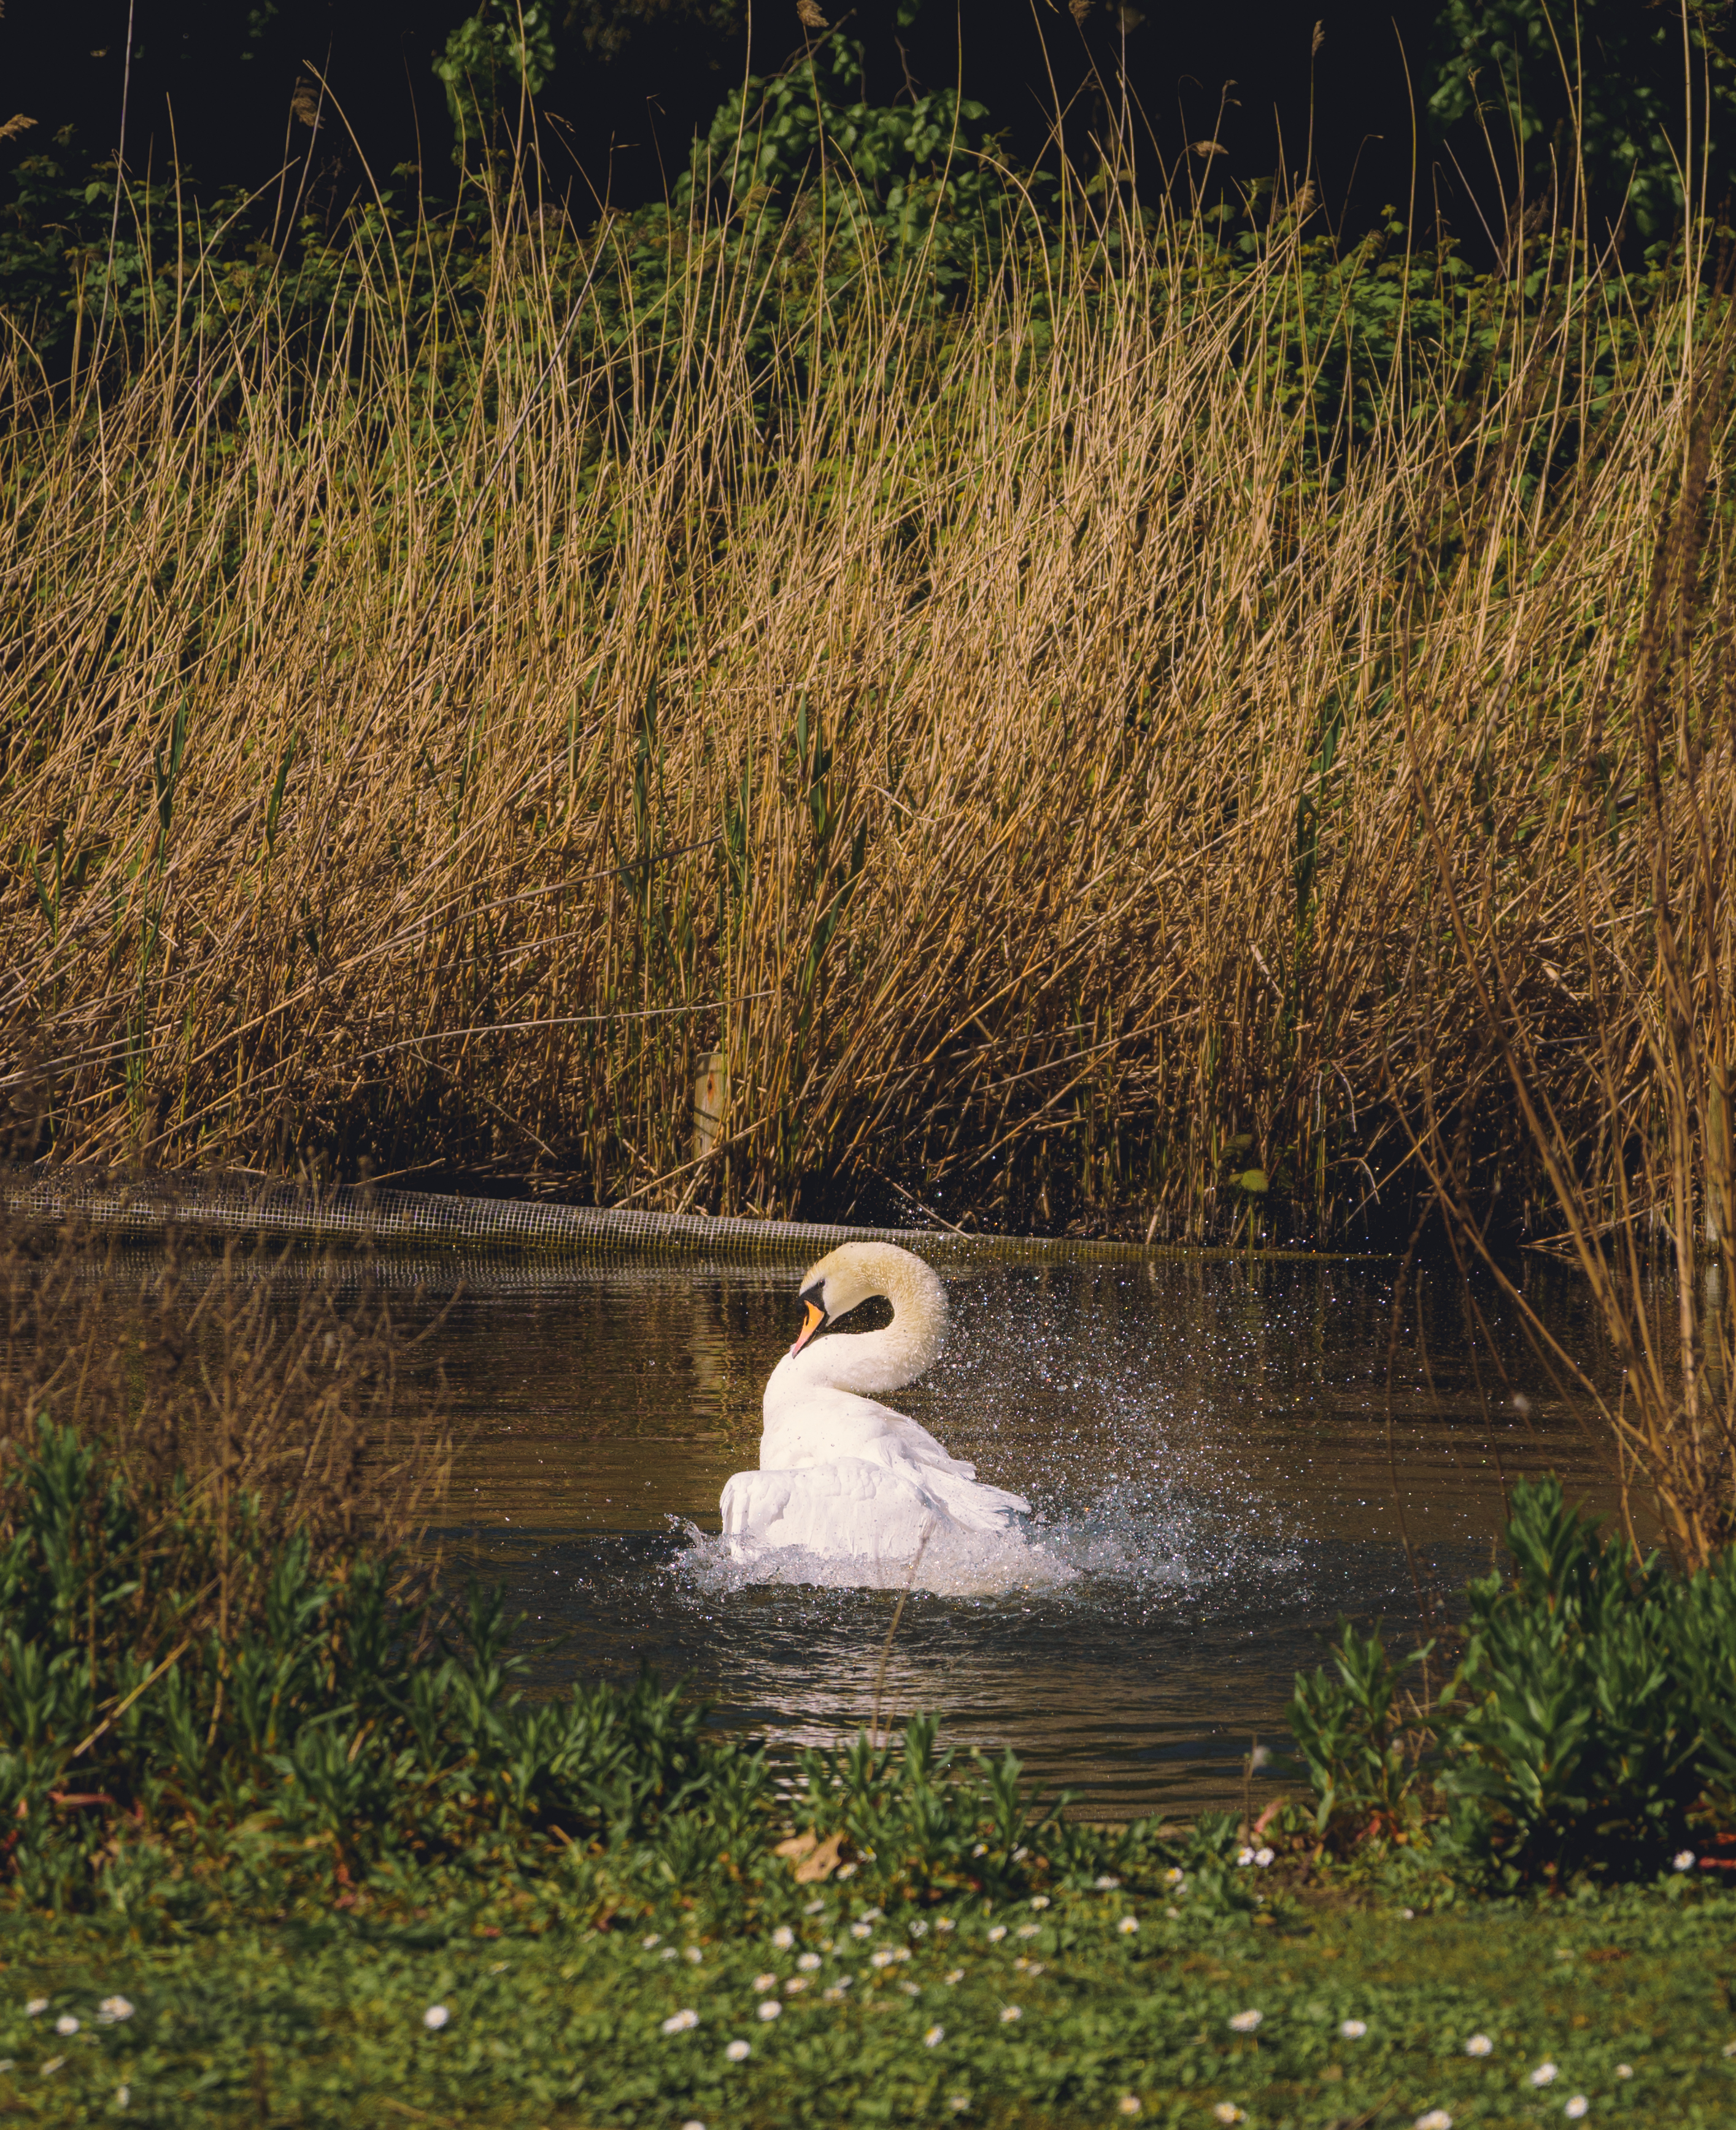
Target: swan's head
(854,1272)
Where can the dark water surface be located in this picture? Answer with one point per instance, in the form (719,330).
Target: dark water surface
(1206,1443)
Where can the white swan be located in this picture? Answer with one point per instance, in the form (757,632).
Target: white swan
(841,1474)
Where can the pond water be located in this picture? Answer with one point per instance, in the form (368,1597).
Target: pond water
(1206,1446)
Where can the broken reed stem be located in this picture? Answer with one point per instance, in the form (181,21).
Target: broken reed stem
(897,1614)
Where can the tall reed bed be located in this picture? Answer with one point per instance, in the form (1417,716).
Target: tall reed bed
(1004,726)
(1641,1198)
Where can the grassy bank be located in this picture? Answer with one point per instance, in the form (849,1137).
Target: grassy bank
(991,687)
(1066,2017)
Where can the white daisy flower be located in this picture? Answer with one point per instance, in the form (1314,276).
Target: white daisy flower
(1684,1860)
(918,1928)
(1624,2071)
(1245,2022)
(739,2052)
(769,2008)
(1009,2012)
(955,1975)
(1127,1925)
(1226,2111)
(51,2066)
(692,1952)
(66,2024)
(679,2023)
(651,1938)
(1262,1857)
(112,2009)
(1106,1884)
(1353,2030)
(1129,2104)
(762,1983)
(862,1929)
(1039,1900)
(934,2036)
(1029,1930)
(1577,2107)
(808,1962)
(997,1933)
(1436,2118)
(783,1937)
(1479,2045)
(36,2006)
(1546,2073)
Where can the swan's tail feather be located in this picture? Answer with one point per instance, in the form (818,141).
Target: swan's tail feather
(970,1503)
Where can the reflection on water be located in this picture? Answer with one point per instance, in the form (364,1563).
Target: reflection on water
(1205,1446)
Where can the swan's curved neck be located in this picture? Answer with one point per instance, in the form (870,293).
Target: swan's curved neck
(871,1363)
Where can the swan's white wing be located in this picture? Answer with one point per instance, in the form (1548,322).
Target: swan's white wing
(846,1506)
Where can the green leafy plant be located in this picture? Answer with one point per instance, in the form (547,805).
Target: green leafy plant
(1594,1710)
(1589,1730)
(1606,78)
(904,175)
(501,52)
(1359,1745)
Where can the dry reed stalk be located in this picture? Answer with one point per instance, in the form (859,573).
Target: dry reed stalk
(1616,1050)
(986,729)
(227,1399)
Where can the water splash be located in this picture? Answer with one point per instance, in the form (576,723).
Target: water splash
(954,1564)
(1119,1547)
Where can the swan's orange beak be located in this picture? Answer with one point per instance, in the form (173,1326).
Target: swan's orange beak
(811,1323)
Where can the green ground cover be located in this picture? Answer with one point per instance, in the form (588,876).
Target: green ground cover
(1013,2014)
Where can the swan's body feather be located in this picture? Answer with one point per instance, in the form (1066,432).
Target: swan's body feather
(840,1473)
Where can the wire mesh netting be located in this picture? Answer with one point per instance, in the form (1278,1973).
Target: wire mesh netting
(305,1210)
